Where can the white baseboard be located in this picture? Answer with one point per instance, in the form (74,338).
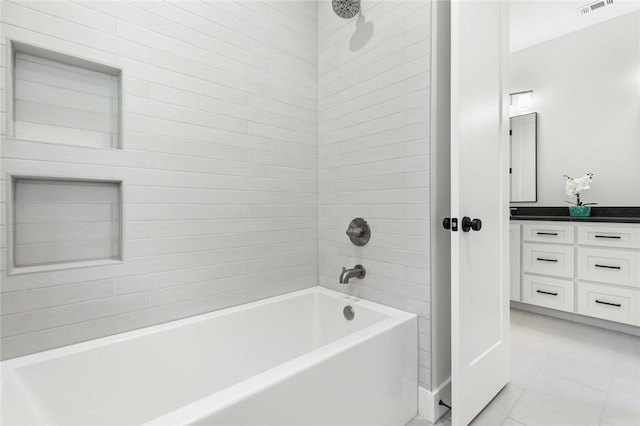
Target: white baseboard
(428,401)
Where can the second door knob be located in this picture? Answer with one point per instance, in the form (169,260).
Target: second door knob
(468,224)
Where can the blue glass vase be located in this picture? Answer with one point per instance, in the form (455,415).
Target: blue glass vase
(580,211)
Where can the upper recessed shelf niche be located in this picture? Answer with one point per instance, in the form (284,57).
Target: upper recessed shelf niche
(62,99)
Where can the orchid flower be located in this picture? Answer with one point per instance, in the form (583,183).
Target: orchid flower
(574,187)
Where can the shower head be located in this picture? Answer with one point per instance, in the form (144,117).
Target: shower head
(346,9)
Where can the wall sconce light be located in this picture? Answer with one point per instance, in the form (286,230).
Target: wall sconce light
(521,102)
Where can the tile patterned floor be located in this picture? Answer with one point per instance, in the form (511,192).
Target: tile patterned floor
(564,374)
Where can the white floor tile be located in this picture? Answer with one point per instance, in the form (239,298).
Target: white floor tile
(627,360)
(565,374)
(527,359)
(444,420)
(418,421)
(501,405)
(551,400)
(622,407)
(517,316)
(487,420)
(583,363)
(510,422)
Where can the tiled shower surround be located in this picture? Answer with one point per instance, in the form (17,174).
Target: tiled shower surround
(373,155)
(218,163)
(253,132)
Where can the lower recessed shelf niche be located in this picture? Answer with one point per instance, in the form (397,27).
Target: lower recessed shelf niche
(65,221)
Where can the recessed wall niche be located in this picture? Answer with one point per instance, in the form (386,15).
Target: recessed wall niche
(65,221)
(62,99)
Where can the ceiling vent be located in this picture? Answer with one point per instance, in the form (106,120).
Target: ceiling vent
(588,8)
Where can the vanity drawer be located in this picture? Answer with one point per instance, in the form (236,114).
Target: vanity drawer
(610,303)
(548,233)
(609,265)
(609,236)
(548,259)
(548,292)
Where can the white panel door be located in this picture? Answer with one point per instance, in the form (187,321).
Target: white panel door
(480,189)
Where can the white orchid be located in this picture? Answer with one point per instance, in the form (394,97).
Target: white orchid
(574,187)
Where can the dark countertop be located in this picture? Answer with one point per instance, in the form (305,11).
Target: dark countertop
(578,219)
(598,214)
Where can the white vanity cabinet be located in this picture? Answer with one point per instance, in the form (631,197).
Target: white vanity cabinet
(588,268)
(548,265)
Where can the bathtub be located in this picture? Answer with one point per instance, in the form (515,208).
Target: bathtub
(288,360)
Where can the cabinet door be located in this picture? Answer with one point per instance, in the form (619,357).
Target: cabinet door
(610,303)
(514,241)
(548,292)
(548,259)
(609,265)
(544,232)
(610,235)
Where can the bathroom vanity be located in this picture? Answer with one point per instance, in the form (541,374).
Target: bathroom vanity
(587,266)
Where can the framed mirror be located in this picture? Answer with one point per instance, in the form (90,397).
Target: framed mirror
(523,166)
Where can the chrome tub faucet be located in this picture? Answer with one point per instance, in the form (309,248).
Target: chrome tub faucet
(357,272)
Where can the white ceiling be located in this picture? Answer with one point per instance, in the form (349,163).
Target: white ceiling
(536,21)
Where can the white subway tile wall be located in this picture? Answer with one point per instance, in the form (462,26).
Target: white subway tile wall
(254,131)
(373,143)
(218,163)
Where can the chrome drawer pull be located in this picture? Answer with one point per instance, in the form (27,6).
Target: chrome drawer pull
(547,233)
(542,259)
(608,303)
(614,237)
(550,293)
(608,266)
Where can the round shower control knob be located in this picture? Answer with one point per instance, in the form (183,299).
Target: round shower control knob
(354,232)
(359,231)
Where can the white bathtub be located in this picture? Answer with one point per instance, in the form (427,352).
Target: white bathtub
(289,360)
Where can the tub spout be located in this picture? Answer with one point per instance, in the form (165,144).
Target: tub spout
(357,272)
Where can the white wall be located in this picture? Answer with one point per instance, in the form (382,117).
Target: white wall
(533,22)
(587,94)
(373,142)
(219,163)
